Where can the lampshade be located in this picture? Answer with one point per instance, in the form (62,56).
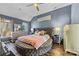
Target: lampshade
(32,29)
(57,29)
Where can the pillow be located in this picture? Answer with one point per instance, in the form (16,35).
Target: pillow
(47,36)
(34,40)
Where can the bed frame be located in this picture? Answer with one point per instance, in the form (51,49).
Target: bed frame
(25,51)
(48,30)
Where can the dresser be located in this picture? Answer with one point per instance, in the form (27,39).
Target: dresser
(71,38)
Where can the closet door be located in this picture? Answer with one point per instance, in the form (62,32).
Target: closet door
(67,39)
(71,38)
(75,37)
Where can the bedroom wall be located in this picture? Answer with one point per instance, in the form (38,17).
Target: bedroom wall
(59,17)
(75,13)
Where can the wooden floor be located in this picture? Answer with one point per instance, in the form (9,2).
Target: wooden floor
(58,50)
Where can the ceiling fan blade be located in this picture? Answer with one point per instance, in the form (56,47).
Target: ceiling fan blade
(40,3)
(33,4)
(36,5)
(29,5)
(37,8)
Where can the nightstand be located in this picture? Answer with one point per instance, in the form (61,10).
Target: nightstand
(57,39)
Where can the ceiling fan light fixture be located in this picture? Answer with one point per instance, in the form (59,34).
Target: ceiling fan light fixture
(35,4)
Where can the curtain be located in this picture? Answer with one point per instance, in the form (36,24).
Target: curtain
(4,26)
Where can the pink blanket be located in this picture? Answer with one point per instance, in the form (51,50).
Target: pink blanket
(34,40)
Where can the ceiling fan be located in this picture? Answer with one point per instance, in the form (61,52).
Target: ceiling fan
(36,5)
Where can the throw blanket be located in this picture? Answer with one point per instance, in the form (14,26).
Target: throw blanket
(34,40)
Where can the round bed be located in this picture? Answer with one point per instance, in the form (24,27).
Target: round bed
(28,50)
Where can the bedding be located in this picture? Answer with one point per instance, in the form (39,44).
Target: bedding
(28,50)
(34,40)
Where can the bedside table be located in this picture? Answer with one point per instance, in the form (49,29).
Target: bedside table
(57,39)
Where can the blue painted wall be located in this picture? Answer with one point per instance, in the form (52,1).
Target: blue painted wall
(59,17)
(75,13)
(41,24)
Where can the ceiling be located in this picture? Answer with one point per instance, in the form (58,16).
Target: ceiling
(21,11)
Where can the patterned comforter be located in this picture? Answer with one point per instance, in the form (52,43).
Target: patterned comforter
(34,40)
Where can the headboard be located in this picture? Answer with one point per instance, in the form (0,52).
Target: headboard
(48,30)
